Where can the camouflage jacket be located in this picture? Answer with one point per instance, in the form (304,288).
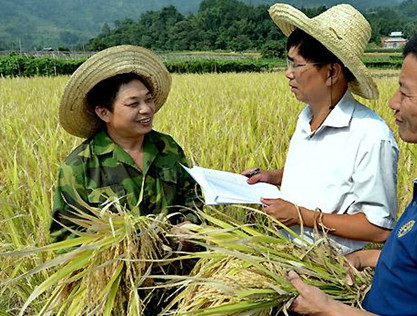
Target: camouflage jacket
(99,168)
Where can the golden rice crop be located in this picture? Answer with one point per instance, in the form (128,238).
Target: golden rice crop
(223,121)
(100,268)
(245,267)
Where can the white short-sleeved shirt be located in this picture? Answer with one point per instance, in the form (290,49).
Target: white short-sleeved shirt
(348,165)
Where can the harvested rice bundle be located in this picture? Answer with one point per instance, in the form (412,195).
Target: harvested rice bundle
(228,282)
(244,270)
(99,271)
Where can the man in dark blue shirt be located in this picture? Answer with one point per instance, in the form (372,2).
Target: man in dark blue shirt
(394,287)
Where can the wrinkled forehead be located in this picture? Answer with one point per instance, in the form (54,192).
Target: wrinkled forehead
(408,75)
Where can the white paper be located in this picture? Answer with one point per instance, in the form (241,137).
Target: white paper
(221,187)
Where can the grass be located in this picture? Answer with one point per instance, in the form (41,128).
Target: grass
(228,122)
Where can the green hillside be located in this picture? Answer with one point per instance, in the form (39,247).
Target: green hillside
(37,24)
(359,4)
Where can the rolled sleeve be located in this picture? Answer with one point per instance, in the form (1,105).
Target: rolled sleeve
(374,183)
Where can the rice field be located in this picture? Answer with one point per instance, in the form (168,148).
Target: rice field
(223,121)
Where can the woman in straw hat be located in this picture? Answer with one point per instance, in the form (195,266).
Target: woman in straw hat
(111,101)
(394,286)
(340,171)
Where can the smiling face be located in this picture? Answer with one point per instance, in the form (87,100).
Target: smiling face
(404,101)
(306,80)
(132,112)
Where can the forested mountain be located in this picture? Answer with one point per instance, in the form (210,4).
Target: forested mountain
(359,4)
(232,25)
(36,24)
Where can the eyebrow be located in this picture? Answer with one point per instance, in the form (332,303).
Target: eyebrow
(405,88)
(148,94)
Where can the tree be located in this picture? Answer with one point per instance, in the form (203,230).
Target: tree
(105,30)
(232,25)
(274,49)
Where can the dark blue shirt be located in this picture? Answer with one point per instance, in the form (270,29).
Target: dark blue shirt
(394,287)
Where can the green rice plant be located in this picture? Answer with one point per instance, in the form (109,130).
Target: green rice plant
(244,270)
(99,270)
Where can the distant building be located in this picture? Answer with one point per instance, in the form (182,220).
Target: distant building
(394,40)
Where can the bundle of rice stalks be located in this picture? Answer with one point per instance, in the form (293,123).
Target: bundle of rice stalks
(244,270)
(98,272)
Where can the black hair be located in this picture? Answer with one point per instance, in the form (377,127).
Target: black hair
(314,51)
(105,92)
(411,47)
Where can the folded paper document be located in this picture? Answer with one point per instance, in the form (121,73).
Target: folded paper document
(221,187)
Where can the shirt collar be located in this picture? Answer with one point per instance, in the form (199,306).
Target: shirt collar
(339,117)
(152,146)
(102,144)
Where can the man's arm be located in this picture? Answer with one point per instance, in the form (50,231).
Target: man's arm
(374,187)
(312,301)
(355,226)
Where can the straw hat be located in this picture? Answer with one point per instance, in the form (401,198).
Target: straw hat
(73,113)
(342,30)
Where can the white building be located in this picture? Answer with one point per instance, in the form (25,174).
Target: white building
(395,40)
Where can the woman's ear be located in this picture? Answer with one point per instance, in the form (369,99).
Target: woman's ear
(103,113)
(334,72)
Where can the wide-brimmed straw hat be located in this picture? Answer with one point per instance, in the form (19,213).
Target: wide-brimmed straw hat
(342,30)
(74,115)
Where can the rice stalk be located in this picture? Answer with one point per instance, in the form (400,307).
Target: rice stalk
(244,271)
(98,271)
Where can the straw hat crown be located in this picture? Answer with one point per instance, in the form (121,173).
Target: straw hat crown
(73,113)
(342,30)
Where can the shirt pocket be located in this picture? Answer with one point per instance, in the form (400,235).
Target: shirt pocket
(98,196)
(168,178)
(168,175)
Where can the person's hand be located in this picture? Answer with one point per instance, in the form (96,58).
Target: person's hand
(311,300)
(284,211)
(360,260)
(352,262)
(178,231)
(257,175)
(355,259)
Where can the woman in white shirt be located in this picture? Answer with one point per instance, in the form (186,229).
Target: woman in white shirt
(341,168)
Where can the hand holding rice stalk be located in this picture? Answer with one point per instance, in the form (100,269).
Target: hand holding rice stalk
(102,267)
(245,270)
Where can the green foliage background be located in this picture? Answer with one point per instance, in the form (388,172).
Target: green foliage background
(172,24)
(232,25)
(16,65)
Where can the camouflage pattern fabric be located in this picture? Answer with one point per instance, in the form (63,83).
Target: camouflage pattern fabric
(99,168)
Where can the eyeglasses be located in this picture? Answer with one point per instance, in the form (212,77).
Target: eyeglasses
(293,66)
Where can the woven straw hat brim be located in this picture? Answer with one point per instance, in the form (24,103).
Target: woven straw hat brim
(73,114)
(342,30)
